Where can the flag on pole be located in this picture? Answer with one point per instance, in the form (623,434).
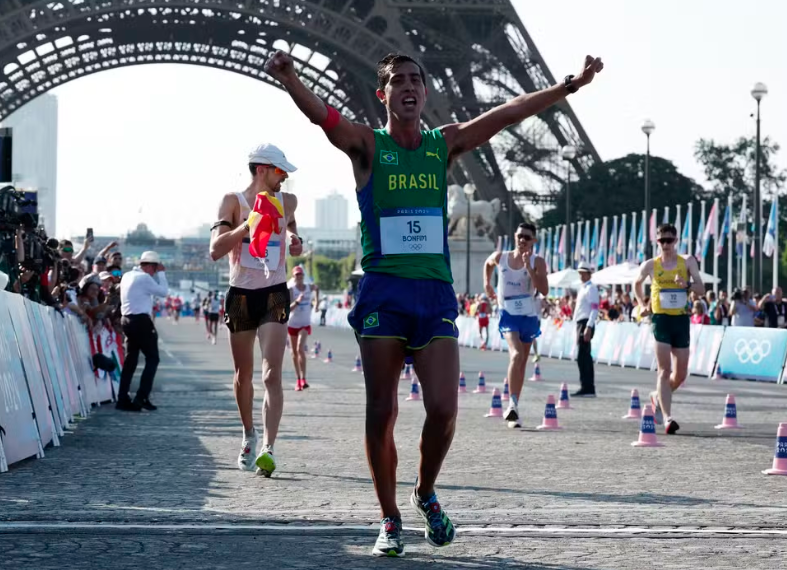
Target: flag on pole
(665,219)
(769,241)
(612,252)
(652,230)
(725,229)
(685,246)
(602,245)
(631,255)
(578,242)
(561,248)
(548,248)
(678,228)
(710,230)
(641,240)
(594,245)
(622,242)
(585,254)
(698,241)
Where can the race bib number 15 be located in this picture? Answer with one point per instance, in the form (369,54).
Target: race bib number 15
(411,230)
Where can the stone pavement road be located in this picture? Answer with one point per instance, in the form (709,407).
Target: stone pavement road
(161,490)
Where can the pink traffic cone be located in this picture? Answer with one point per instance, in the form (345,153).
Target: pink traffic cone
(635,412)
(550,416)
(719,375)
(730,420)
(462,383)
(506,394)
(316,353)
(481,384)
(647,430)
(780,454)
(407,373)
(496,410)
(357,367)
(414,393)
(563,403)
(329,358)
(536,377)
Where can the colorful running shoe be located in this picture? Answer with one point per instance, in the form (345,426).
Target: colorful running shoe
(389,541)
(439,528)
(265,463)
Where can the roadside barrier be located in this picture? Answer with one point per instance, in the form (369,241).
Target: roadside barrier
(742,353)
(46,377)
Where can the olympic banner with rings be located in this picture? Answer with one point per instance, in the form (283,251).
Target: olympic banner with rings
(753,353)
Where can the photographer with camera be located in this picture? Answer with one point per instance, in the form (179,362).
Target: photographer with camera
(742,309)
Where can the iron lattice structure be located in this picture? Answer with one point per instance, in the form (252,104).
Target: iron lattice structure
(477,54)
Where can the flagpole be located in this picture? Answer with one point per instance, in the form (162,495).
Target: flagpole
(629,243)
(689,211)
(603,243)
(702,218)
(625,240)
(653,244)
(776,242)
(716,246)
(744,265)
(678,228)
(587,239)
(613,250)
(729,248)
(666,214)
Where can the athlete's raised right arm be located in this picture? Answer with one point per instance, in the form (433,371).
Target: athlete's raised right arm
(639,283)
(224,234)
(353,139)
(489,267)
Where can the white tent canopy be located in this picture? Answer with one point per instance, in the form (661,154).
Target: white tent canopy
(564,279)
(626,273)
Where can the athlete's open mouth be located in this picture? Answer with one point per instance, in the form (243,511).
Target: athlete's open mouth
(409,102)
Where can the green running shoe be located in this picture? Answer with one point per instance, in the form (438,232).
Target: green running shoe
(439,528)
(265,463)
(389,541)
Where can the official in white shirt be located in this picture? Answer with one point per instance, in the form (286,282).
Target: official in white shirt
(586,315)
(137,289)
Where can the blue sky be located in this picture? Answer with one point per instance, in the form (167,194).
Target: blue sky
(163,143)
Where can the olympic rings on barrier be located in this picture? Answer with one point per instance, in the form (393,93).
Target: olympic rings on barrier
(754,351)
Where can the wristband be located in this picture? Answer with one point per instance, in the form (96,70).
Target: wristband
(332,120)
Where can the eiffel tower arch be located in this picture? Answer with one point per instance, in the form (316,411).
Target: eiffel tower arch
(477,54)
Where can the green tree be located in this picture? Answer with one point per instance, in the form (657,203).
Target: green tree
(618,186)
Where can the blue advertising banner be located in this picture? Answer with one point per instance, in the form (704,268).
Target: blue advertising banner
(753,353)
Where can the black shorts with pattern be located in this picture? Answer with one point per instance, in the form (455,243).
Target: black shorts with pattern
(248,309)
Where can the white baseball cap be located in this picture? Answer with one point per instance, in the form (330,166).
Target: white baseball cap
(149,257)
(584,266)
(267,153)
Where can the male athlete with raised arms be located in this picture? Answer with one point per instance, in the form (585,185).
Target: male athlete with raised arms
(672,277)
(405,302)
(521,276)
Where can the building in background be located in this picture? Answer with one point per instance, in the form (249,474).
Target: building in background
(332,212)
(34,156)
(335,243)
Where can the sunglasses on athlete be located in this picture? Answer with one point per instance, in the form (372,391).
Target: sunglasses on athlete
(666,240)
(276,169)
(524,237)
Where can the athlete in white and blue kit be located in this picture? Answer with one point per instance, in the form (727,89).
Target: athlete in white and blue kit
(521,276)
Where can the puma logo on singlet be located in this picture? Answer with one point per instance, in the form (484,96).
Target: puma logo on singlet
(434,154)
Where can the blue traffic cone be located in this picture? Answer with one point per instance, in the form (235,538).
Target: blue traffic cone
(481,384)
(496,410)
(357,367)
(635,412)
(563,403)
(536,374)
(407,373)
(414,393)
(462,383)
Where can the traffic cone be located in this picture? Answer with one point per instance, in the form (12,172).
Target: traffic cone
(329,358)
(563,403)
(316,352)
(506,395)
(730,420)
(550,416)
(481,384)
(647,430)
(536,377)
(357,367)
(780,454)
(407,373)
(496,410)
(635,412)
(414,393)
(462,383)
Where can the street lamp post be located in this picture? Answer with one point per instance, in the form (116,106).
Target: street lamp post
(468,189)
(568,153)
(758,92)
(647,127)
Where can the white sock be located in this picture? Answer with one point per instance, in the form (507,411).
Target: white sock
(669,419)
(249,434)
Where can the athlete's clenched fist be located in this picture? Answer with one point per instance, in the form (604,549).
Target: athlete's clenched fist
(280,65)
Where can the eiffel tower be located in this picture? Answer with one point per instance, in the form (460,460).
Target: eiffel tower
(477,54)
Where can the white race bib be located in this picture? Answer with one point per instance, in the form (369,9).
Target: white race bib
(272,256)
(411,230)
(673,298)
(518,305)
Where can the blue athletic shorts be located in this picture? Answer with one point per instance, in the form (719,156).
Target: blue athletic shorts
(529,328)
(416,311)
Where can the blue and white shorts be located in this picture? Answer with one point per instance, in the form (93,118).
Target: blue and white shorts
(529,328)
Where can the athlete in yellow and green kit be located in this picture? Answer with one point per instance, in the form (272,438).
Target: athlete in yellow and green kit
(672,277)
(405,303)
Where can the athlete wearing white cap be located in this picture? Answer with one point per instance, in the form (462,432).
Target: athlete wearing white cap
(258,302)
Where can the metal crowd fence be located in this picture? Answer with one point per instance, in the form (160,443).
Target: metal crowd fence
(738,353)
(47,377)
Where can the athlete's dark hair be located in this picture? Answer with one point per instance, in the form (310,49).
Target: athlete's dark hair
(527,226)
(667,229)
(386,65)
